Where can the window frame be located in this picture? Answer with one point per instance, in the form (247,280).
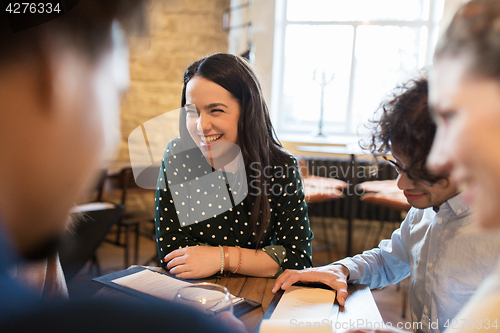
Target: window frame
(433,11)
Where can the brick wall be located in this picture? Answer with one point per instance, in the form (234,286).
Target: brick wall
(181,31)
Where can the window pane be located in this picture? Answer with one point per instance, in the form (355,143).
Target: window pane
(310,52)
(355,10)
(385,57)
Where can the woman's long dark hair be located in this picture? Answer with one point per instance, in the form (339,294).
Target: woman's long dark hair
(256,136)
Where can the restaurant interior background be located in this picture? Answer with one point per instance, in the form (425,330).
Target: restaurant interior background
(379,46)
(400,38)
(362,47)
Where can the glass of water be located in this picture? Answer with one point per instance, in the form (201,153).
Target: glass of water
(209,298)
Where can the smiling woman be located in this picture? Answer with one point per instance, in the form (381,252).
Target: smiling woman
(212,122)
(465,96)
(215,188)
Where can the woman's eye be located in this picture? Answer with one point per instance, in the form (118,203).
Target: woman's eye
(447,116)
(217,110)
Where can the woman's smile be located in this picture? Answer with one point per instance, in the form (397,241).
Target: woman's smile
(210,139)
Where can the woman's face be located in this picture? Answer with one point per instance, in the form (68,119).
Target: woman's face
(467,141)
(212,115)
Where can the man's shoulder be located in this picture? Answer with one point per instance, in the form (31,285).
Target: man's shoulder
(14,296)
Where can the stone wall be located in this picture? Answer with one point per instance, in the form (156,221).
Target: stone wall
(181,31)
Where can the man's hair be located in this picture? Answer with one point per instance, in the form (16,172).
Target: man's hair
(86,27)
(405,125)
(475,32)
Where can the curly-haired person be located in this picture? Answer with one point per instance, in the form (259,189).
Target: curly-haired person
(438,245)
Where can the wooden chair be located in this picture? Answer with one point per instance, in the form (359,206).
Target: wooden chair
(130,220)
(320,190)
(91,224)
(91,220)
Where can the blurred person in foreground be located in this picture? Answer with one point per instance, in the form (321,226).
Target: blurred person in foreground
(60,88)
(465,102)
(438,244)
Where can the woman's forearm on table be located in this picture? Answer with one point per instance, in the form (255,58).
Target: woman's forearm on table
(253,262)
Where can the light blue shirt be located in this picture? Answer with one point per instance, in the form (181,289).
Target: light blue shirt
(445,254)
(481,312)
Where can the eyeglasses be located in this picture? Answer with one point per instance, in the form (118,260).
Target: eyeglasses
(400,170)
(396,166)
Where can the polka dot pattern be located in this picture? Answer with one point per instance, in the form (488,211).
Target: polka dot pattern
(182,218)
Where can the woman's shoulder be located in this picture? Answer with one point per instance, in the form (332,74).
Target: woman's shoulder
(184,162)
(178,148)
(174,146)
(282,157)
(286,167)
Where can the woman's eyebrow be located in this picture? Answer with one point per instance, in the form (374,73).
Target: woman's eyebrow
(213,105)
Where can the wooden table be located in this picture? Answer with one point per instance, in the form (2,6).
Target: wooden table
(360,305)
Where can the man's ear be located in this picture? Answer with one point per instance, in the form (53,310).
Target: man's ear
(44,78)
(43,67)
(58,72)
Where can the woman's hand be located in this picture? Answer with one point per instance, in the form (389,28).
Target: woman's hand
(334,276)
(194,262)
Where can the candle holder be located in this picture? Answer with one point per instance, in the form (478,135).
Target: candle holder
(323,82)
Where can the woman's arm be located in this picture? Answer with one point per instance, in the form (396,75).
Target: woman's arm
(196,262)
(290,219)
(253,262)
(290,223)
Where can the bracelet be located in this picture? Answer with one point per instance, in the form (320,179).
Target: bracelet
(221,260)
(226,260)
(239,260)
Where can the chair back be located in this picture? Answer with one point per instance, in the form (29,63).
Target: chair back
(91,223)
(128,185)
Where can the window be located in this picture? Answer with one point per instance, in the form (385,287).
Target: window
(362,49)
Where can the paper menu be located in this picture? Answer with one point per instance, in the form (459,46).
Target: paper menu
(302,305)
(152,283)
(166,287)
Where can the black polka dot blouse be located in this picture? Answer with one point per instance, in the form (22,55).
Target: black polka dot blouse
(195,205)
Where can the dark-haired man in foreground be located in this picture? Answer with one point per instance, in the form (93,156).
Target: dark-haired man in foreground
(60,88)
(438,245)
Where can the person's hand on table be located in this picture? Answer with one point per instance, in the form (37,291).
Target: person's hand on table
(334,276)
(194,262)
(229,320)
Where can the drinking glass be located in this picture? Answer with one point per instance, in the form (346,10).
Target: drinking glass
(207,297)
